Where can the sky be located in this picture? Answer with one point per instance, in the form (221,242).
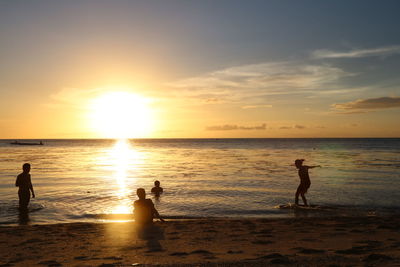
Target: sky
(199,69)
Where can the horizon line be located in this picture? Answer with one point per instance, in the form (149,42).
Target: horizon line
(198,138)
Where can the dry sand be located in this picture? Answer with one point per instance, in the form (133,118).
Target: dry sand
(361,241)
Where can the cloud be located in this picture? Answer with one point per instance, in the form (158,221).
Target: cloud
(233,127)
(299,127)
(369,104)
(358,53)
(296,126)
(256,106)
(250,84)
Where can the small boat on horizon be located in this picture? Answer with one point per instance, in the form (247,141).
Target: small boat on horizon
(26,143)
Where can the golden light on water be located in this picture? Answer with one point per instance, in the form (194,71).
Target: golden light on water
(122,209)
(120,114)
(124,159)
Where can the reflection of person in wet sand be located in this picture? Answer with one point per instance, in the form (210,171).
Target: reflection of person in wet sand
(144,210)
(25,187)
(304,180)
(157,189)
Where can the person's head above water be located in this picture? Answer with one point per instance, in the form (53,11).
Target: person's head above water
(157,183)
(26,167)
(298,162)
(141,193)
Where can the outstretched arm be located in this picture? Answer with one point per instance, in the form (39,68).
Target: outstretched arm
(311,167)
(157,215)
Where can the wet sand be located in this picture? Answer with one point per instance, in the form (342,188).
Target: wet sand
(345,241)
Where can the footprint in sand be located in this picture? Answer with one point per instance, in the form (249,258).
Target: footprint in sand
(179,254)
(262,242)
(234,251)
(81,258)
(50,263)
(201,251)
(112,258)
(310,251)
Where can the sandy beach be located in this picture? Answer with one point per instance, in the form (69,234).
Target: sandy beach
(360,241)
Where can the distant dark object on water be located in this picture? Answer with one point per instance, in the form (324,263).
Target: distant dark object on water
(27,143)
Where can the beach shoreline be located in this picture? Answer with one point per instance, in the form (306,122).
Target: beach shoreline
(314,241)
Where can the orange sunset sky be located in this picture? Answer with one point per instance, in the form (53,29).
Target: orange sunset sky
(198,69)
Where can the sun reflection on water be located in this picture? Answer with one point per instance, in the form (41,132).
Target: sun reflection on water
(124,159)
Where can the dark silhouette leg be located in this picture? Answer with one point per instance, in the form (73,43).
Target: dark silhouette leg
(23,217)
(296,199)
(304,199)
(24,197)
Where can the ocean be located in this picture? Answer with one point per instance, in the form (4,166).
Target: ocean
(96,180)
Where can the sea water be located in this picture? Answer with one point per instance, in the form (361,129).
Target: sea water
(96,180)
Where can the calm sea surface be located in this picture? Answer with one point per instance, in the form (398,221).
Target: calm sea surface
(96,180)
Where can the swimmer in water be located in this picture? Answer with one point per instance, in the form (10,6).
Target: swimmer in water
(157,189)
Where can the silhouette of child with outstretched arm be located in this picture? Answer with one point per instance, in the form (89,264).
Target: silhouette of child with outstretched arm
(157,189)
(304,180)
(144,210)
(25,184)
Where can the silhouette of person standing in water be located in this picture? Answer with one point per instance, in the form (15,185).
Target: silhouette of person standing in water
(144,210)
(304,180)
(25,187)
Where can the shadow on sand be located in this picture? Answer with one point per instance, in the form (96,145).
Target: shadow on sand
(152,234)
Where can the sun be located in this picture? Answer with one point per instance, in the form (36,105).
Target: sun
(120,115)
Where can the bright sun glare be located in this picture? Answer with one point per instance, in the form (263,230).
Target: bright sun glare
(123,158)
(120,115)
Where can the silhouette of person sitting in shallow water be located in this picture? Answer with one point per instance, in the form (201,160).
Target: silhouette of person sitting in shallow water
(304,180)
(25,187)
(157,189)
(144,210)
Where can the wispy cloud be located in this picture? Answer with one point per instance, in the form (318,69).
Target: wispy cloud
(232,127)
(369,104)
(299,127)
(256,106)
(296,126)
(253,83)
(358,53)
